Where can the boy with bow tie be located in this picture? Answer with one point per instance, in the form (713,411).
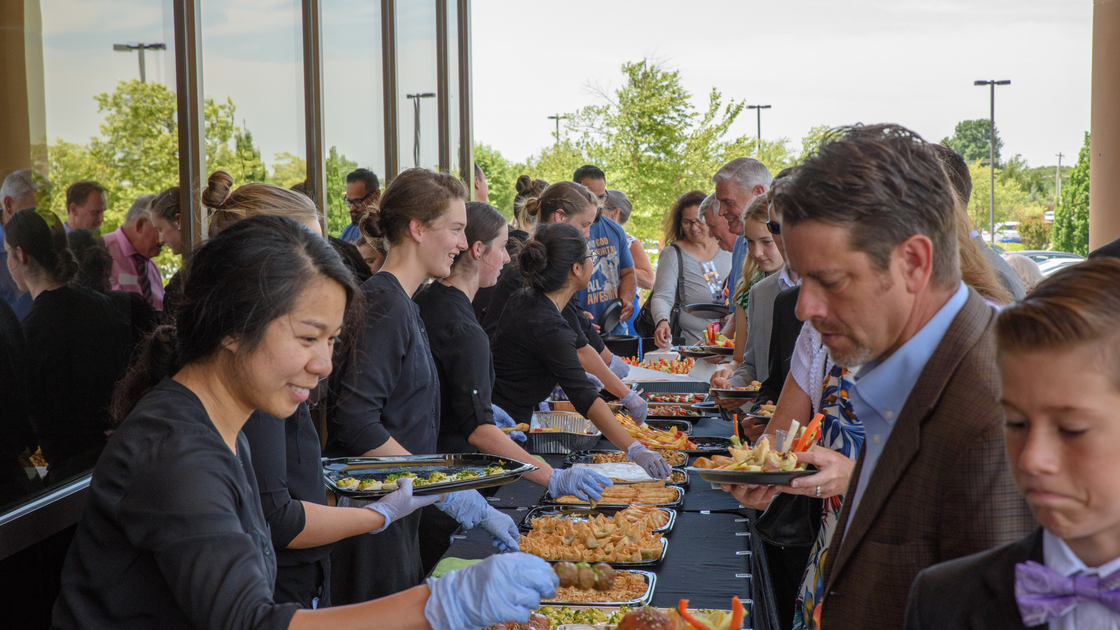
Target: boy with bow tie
(1063,443)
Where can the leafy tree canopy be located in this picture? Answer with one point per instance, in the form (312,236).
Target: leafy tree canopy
(1071,218)
(971,140)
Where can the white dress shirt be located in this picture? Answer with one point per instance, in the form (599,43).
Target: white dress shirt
(1058,557)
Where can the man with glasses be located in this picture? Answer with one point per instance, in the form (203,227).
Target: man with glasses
(362,191)
(737,184)
(613,277)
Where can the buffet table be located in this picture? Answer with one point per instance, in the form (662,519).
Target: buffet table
(708,558)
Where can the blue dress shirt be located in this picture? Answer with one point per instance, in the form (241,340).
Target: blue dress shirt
(738,254)
(351,234)
(882,387)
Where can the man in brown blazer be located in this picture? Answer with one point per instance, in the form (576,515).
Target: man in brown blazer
(869,224)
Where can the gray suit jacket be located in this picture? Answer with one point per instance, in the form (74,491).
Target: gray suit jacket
(942,488)
(755,365)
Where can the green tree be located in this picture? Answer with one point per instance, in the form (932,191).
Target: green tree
(813,140)
(971,139)
(556,163)
(1012,202)
(338,213)
(287,170)
(500,177)
(652,143)
(1071,218)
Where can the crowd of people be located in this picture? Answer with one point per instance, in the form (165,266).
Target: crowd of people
(963,470)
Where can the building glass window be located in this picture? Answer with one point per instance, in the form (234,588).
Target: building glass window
(417,85)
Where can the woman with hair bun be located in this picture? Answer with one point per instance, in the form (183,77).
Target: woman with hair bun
(389,395)
(534,349)
(76,339)
(173,535)
(573,204)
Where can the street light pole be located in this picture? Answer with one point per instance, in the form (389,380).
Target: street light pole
(416,127)
(558,118)
(758,109)
(992,157)
(141,47)
(1058,182)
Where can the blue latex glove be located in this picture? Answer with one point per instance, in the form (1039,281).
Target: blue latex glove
(653,463)
(619,367)
(497,590)
(636,405)
(582,483)
(504,421)
(471,510)
(594,380)
(399,504)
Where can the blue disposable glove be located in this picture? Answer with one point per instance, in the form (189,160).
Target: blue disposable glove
(619,367)
(399,504)
(471,510)
(583,483)
(504,421)
(594,380)
(653,463)
(497,590)
(636,405)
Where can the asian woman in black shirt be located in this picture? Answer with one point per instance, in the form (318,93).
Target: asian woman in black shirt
(571,203)
(389,396)
(534,349)
(173,535)
(77,348)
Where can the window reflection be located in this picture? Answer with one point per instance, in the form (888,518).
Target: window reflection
(353,89)
(417,84)
(99,132)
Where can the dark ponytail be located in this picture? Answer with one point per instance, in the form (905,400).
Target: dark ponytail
(48,248)
(234,287)
(547,258)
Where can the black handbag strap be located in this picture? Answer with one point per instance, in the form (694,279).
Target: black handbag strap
(675,314)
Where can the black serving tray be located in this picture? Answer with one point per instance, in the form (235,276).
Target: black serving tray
(583,514)
(651,582)
(422,465)
(666,423)
(584,457)
(774,478)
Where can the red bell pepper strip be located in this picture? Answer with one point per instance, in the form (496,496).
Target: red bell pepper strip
(736,614)
(682,608)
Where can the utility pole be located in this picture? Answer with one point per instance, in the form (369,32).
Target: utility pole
(1058,182)
(758,109)
(416,118)
(558,118)
(992,157)
(141,47)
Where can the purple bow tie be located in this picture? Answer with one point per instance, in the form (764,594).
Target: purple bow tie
(1044,594)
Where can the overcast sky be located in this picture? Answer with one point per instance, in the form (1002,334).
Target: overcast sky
(814,61)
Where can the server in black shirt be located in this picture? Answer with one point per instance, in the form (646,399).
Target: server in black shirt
(571,203)
(389,396)
(173,535)
(534,349)
(77,342)
(463,360)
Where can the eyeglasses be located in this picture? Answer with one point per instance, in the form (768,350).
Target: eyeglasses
(773,227)
(688,223)
(357,202)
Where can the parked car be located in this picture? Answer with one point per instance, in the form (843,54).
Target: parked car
(1048,216)
(1040,256)
(1050,267)
(1006,232)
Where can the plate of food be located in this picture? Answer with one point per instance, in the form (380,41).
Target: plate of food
(674,458)
(673,399)
(616,542)
(759,465)
(629,472)
(657,519)
(694,352)
(373,477)
(672,439)
(666,418)
(536,621)
(630,588)
(656,493)
(748,391)
(675,366)
(622,617)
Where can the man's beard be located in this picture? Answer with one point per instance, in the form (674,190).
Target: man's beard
(858,354)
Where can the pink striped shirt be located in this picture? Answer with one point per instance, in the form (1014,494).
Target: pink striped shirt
(125,273)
